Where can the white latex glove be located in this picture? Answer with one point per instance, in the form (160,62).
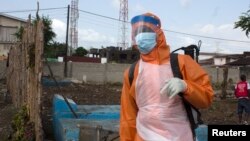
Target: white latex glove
(173,86)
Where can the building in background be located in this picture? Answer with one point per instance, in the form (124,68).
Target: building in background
(116,54)
(219,59)
(9,25)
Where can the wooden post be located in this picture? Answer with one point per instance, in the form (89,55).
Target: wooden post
(24,73)
(224,83)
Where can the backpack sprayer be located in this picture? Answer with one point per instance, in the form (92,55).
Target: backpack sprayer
(192,50)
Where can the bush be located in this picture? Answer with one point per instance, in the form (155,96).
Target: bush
(23,128)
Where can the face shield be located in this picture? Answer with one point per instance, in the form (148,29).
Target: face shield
(144,25)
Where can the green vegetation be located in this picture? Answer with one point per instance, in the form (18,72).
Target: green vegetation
(49,34)
(55,49)
(244,22)
(52,49)
(80,51)
(23,128)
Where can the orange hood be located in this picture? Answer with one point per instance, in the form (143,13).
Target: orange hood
(160,53)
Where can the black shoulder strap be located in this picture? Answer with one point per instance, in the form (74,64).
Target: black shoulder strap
(175,65)
(174,62)
(131,72)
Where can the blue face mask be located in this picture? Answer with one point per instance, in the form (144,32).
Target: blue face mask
(146,42)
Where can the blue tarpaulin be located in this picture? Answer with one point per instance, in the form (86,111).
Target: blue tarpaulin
(67,127)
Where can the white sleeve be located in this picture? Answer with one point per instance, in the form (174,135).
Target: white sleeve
(248,86)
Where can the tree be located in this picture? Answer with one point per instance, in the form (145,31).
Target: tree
(19,33)
(49,34)
(80,51)
(56,49)
(244,22)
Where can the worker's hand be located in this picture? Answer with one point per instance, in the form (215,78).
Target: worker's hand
(173,86)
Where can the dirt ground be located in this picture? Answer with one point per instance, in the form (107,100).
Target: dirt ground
(221,111)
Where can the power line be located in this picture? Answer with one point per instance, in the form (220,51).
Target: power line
(99,15)
(215,38)
(86,18)
(195,35)
(29,10)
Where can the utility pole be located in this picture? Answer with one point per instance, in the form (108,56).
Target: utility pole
(67,46)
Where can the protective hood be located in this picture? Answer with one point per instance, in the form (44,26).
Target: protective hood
(151,23)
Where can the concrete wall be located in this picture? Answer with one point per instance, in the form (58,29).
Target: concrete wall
(89,72)
(57,69)
(216,74)
(115,72)
(246,71)
(112,73)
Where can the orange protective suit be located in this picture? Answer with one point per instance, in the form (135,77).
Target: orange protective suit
(142,107)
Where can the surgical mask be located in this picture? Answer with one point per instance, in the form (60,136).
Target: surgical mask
(146,42)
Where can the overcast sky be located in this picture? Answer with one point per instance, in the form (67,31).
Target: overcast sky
(182,20)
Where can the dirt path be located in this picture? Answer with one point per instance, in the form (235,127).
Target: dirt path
(7,111)
(221,111)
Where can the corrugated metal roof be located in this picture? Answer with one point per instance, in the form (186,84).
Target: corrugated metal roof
(222,55)
(12,17)
(209,61)
(240,62)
